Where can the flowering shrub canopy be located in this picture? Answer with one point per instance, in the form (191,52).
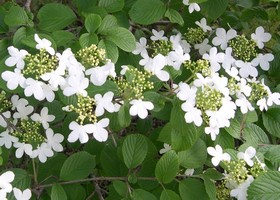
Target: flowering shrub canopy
(139,99)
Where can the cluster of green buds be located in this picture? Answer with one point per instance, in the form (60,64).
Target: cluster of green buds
(135,83)
(223,192)
(91,56)
(39,64)
(160,47)
(209,99)
(85,109)
(258,91)
(200,65)
(29,132)
(4,102)
(243,48)
(233,86)
(195,35)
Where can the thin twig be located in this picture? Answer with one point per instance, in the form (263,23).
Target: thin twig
(98,190)
(27,5)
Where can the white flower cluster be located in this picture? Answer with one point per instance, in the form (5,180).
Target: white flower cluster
(5,187)
(22,111)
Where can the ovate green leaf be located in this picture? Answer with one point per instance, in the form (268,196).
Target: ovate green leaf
(92,22)
(58,193)
(271,121)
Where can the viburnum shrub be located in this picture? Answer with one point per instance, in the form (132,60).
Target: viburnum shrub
(140,99)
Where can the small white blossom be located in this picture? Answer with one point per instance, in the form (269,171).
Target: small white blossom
(203,25)
(158,35)
(273,98)
(156,67)
(23,111)
(16,57)
(99,131)
(5,181)
(140,108)
(246,69)
(240,193)
(223,37)
(22,195)
(79,132)
(166,148)
(263,60)
(228,59)
(192,6)
(247,156)
(22,148)
(186,93)
(55,78)
(262,104)
(218,155)
(260,37)
(7,140)
(244,104)
(177,57)
(189,172)
(14,79)
(104,103)
(76,85)
(98,75)
(6,115)
(141,47)
(213,131)
(124,69)
(193,114)
(42,152)
(44,118)
(44,44)
(204,47)
(54,140)
(214,58)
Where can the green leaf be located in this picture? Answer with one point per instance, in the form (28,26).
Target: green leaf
(195,156)
(124,116)
(184,135)
(120,187)
(147,11)
(140,194)
(213,174)
(16,17)
(107,86)
(62,38)
(275,65)
(215,8)
(157,99)
(210,188)
(197,1)
(112,5)
(167,167)
(256,12)
(255,134)
(234,129)
(92,22)
(55,108)
(191,188)
(271,121)
(18,36)
(122,37)
(174,16)
(77,166)
(55,16)
(58,193)
(75,192)
(3,27)
(225,140)
(134,150)
(108,22)
(165,134)
(111,49)
(273,154)
(266,186)
(169,195)
(88,39)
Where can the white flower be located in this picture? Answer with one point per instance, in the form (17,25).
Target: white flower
(201,81)
(233,72)
(3,195)
(213,131)
(262,104)
(79,132)
(246,69)
(39,89)
(189,172)
(44,44)
(193,114)
(16,57)
(124,69)
(247,156)
(192,6)
(203,25)
(214,58)
(6,115)
(7,139)
(23,111)
(223,37)
(204,47)
(22,148)
(260,37)
(76,85)
(14,79)
(240,193)
(263,60)
(104,102)
(178,57)
(156,67)
(244,88)
(44,117)
(42,152)
(54,140)
(98,75)
(99,131)
(217,154)
(244,104)
(5,181)
(141,47)
(55,78)
(166,148)
(228,59)
(140,108)
(158,35)
(273,98)
(22,195)
(186,93)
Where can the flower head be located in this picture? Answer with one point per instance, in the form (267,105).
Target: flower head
(140,108)
(44,44)
(5,181)
(16,57)
(217,154)
(22,195)
(249,153)
(260,37)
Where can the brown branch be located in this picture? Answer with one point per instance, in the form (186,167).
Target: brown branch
(27,5)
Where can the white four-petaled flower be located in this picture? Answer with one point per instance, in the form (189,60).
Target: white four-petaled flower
(247,156)
(140,108)
(218,155)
